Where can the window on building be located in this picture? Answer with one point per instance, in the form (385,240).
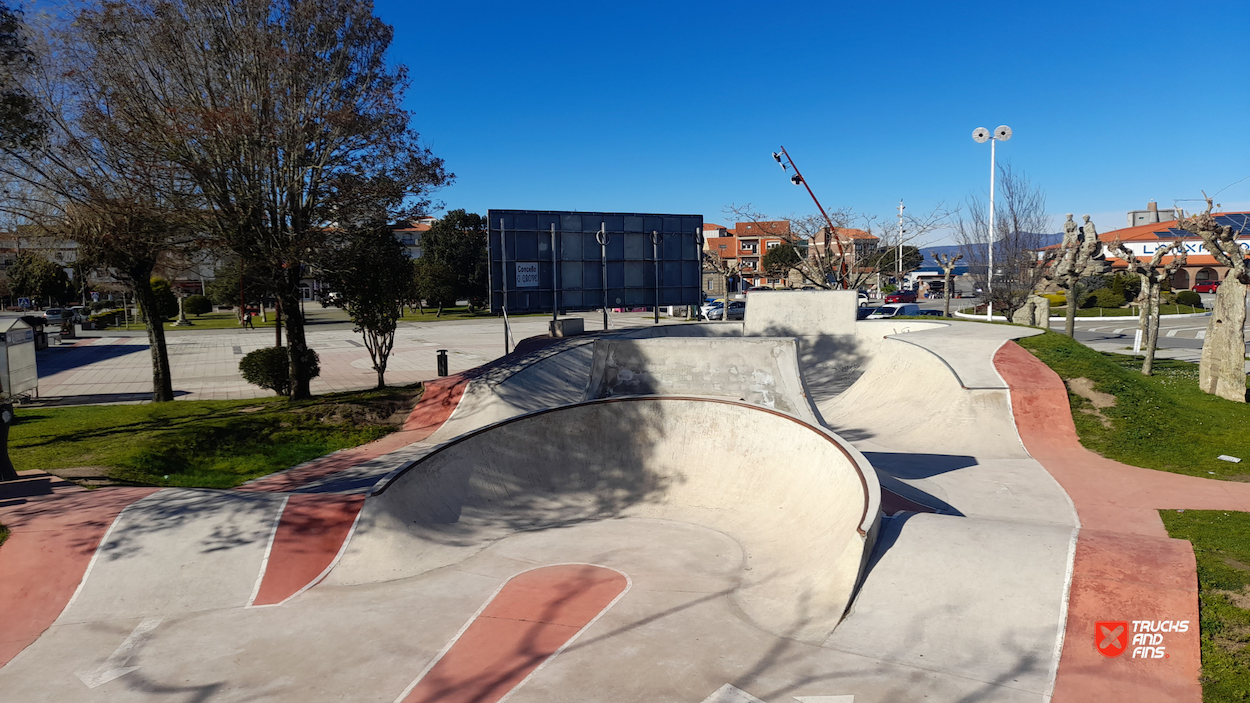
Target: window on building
(709,285)
(770,245)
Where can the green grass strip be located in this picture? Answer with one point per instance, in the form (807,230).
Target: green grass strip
(206,444)
(1222,546)
(1158,422)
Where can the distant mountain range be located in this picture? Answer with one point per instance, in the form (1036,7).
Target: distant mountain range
(928,252)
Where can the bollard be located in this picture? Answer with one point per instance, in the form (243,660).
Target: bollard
(442,362)
(7,472)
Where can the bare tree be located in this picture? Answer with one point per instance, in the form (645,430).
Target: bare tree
(123,203)
(1080,255)
(841,258)
(1019,238)
(1221,370)
(285,114)
(947,262)
(1152,278)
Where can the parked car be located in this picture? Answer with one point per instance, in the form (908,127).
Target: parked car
(1206,287)
(932,313)
(901,296)
(80,314)
(863,298)
(709,306)
(54,315)
(737,310)
(863,313)
(885,312)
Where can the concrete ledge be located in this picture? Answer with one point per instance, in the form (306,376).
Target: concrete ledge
(566,327)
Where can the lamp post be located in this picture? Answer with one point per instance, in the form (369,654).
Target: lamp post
(982,135)
(797,179)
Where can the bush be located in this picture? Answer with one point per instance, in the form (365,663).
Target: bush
(1056,299)
(1103,298)
(1188,297)
(270,368)
(197,305)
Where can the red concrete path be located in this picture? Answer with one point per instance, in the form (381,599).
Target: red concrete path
(535,615)
(52,540)
(310,535)
(1126,567)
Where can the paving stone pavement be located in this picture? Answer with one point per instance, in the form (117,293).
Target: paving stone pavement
(205,364)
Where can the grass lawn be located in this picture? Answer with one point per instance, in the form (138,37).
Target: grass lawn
(1222,546)
(1159,422)
(1127,312)
(207,443)
(220,320)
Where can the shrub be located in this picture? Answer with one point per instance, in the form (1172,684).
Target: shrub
(1103,298)
(197,305)
(270,368)
(1056,299)
(1188,297)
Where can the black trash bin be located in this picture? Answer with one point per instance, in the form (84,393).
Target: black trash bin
(442,362)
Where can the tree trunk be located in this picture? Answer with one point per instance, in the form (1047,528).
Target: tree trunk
(1069,321)
(1222,370)
(162,379)
(296,342)
(946,294)
(1151,336)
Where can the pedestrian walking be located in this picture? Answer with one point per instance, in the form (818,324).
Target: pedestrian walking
(247,321)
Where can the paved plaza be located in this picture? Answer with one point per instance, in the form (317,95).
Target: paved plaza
(115,366)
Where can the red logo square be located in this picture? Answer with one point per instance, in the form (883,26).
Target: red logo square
(1111,638)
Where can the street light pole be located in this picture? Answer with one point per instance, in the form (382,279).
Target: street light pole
(798,179)
(989,274)
(981,135)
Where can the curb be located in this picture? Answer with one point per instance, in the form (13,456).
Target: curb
(1108,318)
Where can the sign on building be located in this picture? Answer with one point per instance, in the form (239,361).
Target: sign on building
(543,260)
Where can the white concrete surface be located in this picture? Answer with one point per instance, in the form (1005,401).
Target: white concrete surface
(805,529)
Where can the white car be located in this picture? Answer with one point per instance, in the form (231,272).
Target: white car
(54,315)
(863,299)
(885,312)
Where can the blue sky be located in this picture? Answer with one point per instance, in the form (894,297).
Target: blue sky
(676,107)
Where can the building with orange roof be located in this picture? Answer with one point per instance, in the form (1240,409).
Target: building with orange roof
(1200,267)
(743,246)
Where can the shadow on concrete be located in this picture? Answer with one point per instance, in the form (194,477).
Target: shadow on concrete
(57,359)
(906,465)
(53,401)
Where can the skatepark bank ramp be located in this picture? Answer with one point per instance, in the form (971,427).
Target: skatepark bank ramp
(803,504)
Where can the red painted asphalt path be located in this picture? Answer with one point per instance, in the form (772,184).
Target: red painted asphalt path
(52,539)
(309,537)
(1126,567)
(534,616)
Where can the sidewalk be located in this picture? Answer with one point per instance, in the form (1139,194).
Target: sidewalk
(116,367)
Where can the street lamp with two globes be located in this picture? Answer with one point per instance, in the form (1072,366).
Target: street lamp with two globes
(982,135)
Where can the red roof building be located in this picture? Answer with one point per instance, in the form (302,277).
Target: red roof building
(1145,240)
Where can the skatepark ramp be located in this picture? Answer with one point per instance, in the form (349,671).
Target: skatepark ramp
(803,504)
(761,371)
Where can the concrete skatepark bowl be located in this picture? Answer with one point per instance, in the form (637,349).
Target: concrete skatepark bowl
(798,506)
